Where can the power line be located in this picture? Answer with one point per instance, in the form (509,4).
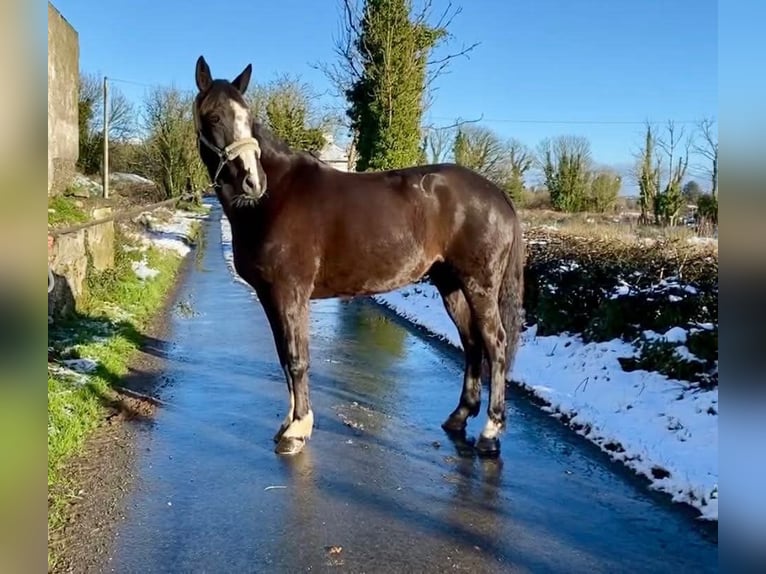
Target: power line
(567,122)
(133,82)
(499,120)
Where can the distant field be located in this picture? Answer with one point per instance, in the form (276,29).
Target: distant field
(621,226)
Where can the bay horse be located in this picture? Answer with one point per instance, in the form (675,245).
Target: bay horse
(303,230)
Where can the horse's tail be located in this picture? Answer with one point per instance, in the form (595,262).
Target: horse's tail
(511,296)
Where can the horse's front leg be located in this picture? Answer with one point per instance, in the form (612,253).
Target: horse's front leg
(291,315)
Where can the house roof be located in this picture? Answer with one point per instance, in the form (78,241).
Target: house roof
(332,152)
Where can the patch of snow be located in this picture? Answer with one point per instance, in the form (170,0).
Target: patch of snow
(683,352)
(116,314)
(170,232)
(670,286)
(81,183)
(667,430)
(69,374)
(119,177)
(675,335)
(143,271)
(651,335)
(228,253)
(84,366)
(620,290)
(569,266)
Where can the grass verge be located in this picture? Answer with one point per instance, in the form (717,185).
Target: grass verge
(64,210)
(103,337)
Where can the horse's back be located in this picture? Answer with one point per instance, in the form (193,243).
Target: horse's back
(378,231)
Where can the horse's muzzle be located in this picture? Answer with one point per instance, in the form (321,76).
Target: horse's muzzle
(248,199)
(253,186)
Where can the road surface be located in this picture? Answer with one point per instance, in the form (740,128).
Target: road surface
(380,487)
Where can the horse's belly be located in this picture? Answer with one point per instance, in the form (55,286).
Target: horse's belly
(374,271)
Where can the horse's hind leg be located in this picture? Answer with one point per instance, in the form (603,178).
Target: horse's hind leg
(460,313)
(486,312)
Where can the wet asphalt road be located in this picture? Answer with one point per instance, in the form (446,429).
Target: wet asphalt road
(379,479)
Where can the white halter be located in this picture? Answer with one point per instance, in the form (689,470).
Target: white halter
(230,152)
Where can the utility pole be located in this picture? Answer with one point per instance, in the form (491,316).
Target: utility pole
(105,168)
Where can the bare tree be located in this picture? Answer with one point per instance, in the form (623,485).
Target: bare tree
(480,149)
(503,162)
(438,143)
(707,147)
(170,154)
(91,121)
(122,124)
(519,160)
(676,146)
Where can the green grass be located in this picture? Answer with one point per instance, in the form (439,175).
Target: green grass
(63,210)
(108,329)
(193,207)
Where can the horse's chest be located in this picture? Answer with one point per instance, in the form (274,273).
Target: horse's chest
(270,261)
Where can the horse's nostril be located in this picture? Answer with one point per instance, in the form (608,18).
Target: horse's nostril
(249,182)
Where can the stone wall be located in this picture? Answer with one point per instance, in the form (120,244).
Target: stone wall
(73,257)
(63,94)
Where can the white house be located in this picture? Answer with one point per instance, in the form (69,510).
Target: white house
(333,154)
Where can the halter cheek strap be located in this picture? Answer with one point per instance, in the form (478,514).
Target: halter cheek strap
(230,152)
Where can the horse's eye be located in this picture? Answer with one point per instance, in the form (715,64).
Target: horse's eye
(215,118)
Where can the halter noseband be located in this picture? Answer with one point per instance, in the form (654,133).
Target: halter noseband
(230,152)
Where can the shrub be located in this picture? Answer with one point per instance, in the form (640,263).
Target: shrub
(611,289)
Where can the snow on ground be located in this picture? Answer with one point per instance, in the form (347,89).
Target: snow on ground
(228,254)
(663,429)
(169,230)
(81,365)
(143,271)
(133,178)
(74,370)
(68,374)
(166,229)
(93,188)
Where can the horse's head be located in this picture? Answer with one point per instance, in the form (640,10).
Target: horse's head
(224,130)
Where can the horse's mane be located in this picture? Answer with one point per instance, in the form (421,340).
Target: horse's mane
(270,141)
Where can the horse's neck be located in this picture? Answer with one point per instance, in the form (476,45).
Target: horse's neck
(226,202)
(276,156)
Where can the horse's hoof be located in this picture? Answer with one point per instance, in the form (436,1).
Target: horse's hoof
(454,425)
(488,446)
(279,434)
(290,445)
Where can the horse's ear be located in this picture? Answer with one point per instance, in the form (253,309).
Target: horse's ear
(241,82)
(202,75)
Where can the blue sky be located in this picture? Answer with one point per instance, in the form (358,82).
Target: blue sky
(542,66)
